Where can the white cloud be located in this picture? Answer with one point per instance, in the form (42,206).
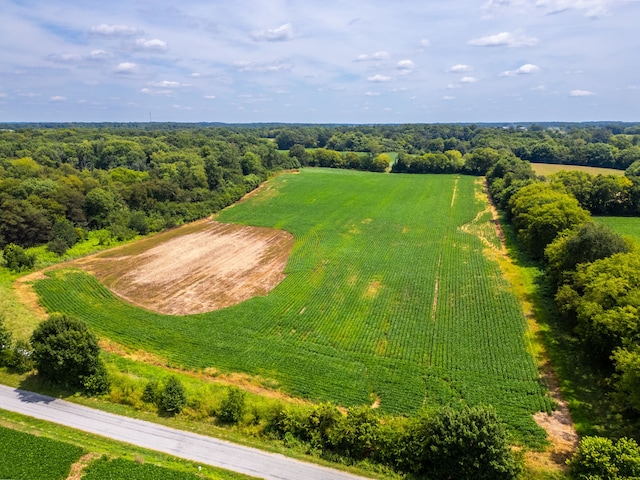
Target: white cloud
(405,66)
(168,84)
(381,55)
(58,98)
(155,45)
(281,34)
(372,94)
(468,80)
(158,92)
(505,39)
(425,42)
(525,69)
(114,30)
(460,68)
(64,58)
(272,67)
(581,93)
(71,58)
(126,68)
(209,97)
(379,78)
(99,55)
(448,97)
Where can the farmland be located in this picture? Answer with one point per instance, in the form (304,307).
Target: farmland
(551,168)
(389,298)
(28,456)
(629,226)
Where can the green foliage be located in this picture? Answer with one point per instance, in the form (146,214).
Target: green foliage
(464,444)
(152,392)
(349,318)
(233,406)
(19,358)
(29,456)
(599,458)
(540,213)
(17,259)
(66,352)
(121,468)
(591,242)
(173,398)
(356,436)
(6,341)
(603,297)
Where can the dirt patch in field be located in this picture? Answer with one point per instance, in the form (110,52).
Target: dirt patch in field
(27,296)
(77,469)
(197,268)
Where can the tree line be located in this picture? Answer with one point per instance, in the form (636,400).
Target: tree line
(57,185)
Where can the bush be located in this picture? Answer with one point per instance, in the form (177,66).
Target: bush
(5,343)
(17,259)
(462,444)
(174,397)
(601,458)
(20,358)
(233,406)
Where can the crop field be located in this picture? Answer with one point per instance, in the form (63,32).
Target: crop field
(28,456)
(390,298)
(551,168)
(121,468)
(629,226)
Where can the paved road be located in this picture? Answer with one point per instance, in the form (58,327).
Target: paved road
(191,446)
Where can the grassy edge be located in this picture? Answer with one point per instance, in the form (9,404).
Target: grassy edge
(580,386)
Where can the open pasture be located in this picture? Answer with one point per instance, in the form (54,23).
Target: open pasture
(389,298)
(626,226)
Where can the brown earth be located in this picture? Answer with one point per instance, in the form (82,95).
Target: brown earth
(196,268)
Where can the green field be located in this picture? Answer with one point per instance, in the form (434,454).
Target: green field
(628,226)
(388,296)
(27,456)
(551,168)
(121,468)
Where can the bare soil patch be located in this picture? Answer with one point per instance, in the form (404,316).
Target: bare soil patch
(77,469)
(197,268)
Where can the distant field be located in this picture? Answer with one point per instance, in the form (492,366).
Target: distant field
(388,298)
(622,225)
(551,168)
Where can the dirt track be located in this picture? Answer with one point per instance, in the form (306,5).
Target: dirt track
(197,268)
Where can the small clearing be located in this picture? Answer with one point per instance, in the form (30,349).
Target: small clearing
(197,268)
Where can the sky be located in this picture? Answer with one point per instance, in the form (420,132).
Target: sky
(329,61)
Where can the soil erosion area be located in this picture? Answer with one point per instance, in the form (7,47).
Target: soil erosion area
(196,268)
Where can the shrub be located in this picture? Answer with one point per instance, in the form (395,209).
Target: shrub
(462,444)
(17,259)
(5,343)
(20,358)
(233,406)
(602,458)
(174,397)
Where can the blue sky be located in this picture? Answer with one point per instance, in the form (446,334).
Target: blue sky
(319,61)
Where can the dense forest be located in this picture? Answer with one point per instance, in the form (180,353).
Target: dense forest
(59,182)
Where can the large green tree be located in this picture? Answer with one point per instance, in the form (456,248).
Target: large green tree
(66,352)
